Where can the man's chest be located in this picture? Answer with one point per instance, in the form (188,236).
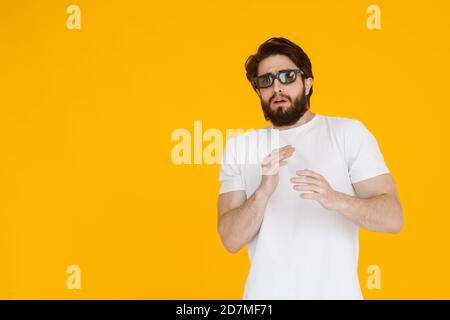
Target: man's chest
(318,153)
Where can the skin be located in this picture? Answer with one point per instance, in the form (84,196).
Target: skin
(376,206)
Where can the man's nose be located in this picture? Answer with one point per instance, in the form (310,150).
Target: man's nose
(277,85)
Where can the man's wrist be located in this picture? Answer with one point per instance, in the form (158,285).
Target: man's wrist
(344,202)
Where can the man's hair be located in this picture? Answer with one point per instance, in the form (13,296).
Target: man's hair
(282,46)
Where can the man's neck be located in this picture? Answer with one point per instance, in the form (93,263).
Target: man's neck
(308,116)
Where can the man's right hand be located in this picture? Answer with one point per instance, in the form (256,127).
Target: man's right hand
(240,218)
(270,167)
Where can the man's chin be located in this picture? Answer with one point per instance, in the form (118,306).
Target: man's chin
(281,107)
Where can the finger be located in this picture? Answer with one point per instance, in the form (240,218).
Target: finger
(307,187)
(304,179)
(281,150)
(285,156)
(309,173)
(285,148)
(283,163)
(273,155)
(274,158)
(282,155)
(310,196)
(288,146)
(286,153)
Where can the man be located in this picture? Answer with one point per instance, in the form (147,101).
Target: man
(300,209)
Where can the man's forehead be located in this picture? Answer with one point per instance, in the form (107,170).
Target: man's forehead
(275,63)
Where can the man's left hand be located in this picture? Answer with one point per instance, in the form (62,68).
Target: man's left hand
(308,180)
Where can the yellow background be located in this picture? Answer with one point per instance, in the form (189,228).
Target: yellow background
(86,118)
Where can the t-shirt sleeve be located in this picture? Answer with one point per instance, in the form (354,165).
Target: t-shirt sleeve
(363,155)
(230,172)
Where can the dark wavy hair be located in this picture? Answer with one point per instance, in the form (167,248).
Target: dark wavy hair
(283,46)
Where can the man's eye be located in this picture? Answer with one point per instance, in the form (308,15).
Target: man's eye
(289,76)
(264,81)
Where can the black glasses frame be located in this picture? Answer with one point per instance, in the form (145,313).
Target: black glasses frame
(278,76)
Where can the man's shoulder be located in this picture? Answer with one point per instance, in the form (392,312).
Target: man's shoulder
(340,121)
(343,124)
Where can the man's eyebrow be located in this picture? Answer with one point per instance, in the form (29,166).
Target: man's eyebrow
(282,70)
(264,74)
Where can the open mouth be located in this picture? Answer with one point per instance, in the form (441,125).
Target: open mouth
(279,100)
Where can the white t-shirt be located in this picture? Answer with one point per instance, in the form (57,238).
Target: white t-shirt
(303,251)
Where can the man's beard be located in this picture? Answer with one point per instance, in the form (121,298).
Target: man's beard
(283,116)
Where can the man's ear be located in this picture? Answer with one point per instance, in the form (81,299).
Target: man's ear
(308,85)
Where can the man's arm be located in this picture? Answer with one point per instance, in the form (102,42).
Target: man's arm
(376,207)
(240,219)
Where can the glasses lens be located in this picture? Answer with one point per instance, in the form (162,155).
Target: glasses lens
(263,81)
(287,76)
